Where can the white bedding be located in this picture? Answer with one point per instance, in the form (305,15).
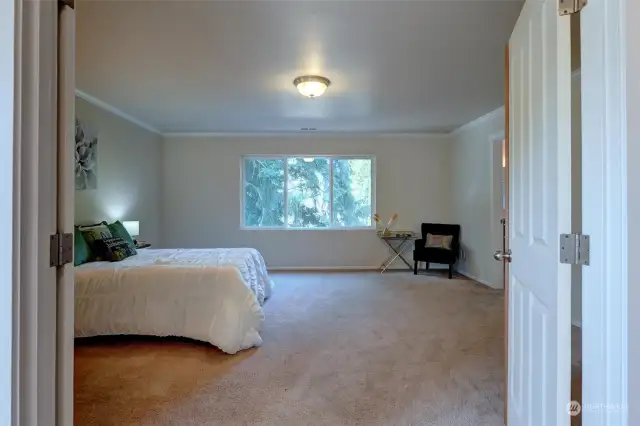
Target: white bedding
(213,295)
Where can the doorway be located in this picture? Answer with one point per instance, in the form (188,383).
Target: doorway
(621,314)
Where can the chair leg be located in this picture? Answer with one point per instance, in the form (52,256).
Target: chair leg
(450,271)
(427,267)
(415,267)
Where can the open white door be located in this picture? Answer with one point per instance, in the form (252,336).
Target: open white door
(539,372)
(65,216)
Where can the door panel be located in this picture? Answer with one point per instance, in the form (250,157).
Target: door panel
(539,372)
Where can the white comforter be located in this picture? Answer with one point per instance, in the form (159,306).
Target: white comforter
(213,295)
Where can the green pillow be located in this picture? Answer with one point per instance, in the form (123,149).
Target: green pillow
(81,250)
(93,233)
(118,230)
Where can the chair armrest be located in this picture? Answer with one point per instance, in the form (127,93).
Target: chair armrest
(419,244)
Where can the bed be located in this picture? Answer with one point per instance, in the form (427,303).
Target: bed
(212,295)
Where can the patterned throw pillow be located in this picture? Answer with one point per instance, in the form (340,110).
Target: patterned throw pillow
(94,233)
(439,241)
(118,230)
(114,249)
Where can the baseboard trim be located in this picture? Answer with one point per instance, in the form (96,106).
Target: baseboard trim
(346,269)
(483,282)
(323,268)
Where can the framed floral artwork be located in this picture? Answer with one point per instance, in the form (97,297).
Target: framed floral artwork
(86,157)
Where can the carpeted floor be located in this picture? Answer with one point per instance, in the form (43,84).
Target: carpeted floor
(339,349)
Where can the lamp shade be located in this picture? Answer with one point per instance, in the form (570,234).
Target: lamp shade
(132,227)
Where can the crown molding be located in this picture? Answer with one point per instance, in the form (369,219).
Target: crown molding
(300,134)
(118,112)
(115,111)
(478,121)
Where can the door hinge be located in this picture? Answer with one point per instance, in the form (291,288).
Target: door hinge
(61,249)
(569,7)
(574,249)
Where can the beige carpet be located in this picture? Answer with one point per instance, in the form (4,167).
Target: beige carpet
(339,349)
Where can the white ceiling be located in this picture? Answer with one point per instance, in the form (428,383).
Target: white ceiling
(228,66)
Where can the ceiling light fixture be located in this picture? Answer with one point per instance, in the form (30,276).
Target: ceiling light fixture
(311,86)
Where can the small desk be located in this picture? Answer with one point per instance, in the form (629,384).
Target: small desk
(397,245)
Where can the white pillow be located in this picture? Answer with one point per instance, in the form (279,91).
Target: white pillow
(439,241)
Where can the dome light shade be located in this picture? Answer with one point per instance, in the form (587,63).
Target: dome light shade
(311,86)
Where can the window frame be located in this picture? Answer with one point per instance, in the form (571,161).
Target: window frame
(284,158)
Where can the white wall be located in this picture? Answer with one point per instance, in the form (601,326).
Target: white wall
(129,173)
(201,190)
(472,177)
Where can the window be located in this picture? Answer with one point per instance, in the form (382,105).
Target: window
(307,192)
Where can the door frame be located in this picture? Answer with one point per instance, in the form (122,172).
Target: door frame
(632,68)
(605,144)
(33,153)
(505,229)
(9,77)
(65,292)
(495,194)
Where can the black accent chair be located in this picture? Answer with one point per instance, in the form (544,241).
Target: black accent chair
(434,254)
